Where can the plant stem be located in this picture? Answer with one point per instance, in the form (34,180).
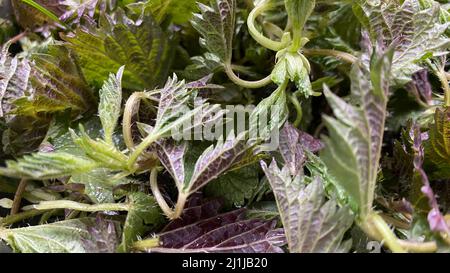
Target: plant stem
(67,204)
(344,56)
(441,74)
(246,84)
(146,244)
(18,196)
(376,227)
(298,108)
(146,142)
(17,38)
(157,194)
(179,207)
(259,37)
(11,219)
(420,247)
(129,111)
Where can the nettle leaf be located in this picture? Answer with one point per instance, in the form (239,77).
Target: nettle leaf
(437,148)
(268,116)
(77,9)
(180,112)
(48,166)
(216,23)
(216,160)
(172,157)
(435,218)
(140,45)
(106,154)
(14,83)
(33,92)
(99,184)
(352,151)
(60,237)
(57,85)
(105,237)
(415,33)
(293,142)
(235,187)
(144,213)
(311,224)
(202,66)
(299,11)
(178,12)
(202,229)
(110,105)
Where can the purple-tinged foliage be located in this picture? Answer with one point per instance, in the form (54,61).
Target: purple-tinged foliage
(435,218)
(202,229)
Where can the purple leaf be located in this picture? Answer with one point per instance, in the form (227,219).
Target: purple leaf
(311,224)
(78,10)
(231,232)
(171,156)
(292,145)
(421,86)
(435,218)
(216,160)
(104,237)
(194,213)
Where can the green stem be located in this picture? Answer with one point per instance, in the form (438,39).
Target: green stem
(179,207)
(146,244)
(246,84)
(298,108)
(259,37)
(419,247)
(128,113)
(67,204)
(11,219)
(157,194)
(376,227)
(441,74)
(146,142)
(344,56)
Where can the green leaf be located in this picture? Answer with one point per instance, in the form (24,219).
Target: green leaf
(144,213)
(353,148)
(179,12)
(32,93)
(215,23)
(268,116)
(299,12)
(60,237)
(104,153)
(48,166)
(235,187)
(412,31)
(110,105)
(140,45)
(437,148)
(99,184)
(311,224)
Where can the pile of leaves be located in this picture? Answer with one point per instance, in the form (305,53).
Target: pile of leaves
(92,93)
